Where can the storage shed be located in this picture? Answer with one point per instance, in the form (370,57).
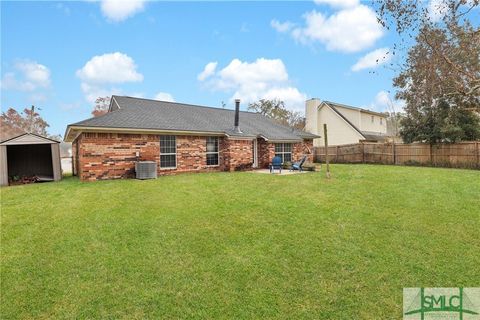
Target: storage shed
(29,155)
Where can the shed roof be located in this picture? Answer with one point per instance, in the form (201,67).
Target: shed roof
(28,138)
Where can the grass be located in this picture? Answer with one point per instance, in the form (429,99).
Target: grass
(238,245)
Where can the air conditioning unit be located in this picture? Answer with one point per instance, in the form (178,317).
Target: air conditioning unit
(146,170)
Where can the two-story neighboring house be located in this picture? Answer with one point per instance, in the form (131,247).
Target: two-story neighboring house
(345,124)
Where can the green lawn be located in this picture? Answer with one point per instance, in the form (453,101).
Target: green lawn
(238,245)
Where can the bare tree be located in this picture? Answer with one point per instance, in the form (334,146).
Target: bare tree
(275,109)
(444,28)
(101,106)
(27,121)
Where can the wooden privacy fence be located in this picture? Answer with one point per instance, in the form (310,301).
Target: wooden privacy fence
(458,155)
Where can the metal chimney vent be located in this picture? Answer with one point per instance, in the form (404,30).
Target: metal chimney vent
(146,170)
(236,127)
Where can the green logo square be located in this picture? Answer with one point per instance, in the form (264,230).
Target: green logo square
(441,303)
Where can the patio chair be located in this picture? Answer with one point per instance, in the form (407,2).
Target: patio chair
(298,165)
(276,164)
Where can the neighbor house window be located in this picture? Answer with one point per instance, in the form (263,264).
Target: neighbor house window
(373,118)
(381,121)
(168,152)
(212,151)
(284,151)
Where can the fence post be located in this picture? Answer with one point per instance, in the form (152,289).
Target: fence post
(326,150)
(431,155)
(478,154)
(336,155)
(363,152)
(393,152)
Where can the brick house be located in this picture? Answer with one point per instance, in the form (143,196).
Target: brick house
(180,138)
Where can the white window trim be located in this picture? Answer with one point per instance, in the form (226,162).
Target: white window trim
(168,154)
(217,153)
(283,151)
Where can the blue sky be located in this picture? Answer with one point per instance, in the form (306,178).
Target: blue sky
(61,55)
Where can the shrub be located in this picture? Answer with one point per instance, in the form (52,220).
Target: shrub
(308,166)
(412,163)
(243,166)
(287,165)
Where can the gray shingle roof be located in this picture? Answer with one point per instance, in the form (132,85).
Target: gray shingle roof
(138,113)
(374,136)
(335,104)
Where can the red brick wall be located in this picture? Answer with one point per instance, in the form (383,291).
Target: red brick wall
(238,154)
(113,156)
(266,152)
(304,148)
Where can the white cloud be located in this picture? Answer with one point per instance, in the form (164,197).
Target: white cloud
(92,92)
(35,72)
(62,7)
(251,81)
(207,71)
(164,96)
(373,59)
(101,71)
(383,103)
(339,3)
(352,26)
(27,76)
(37,97)
(437,9)
(119,10)
(110,68)
(348,30)
(281,26)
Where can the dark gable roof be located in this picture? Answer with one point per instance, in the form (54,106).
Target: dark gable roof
(335,104)
(137,113)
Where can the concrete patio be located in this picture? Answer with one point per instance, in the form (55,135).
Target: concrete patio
(285,172)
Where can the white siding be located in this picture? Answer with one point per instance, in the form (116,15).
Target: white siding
(367,125)
(352,115)
(339,131)
(311,116)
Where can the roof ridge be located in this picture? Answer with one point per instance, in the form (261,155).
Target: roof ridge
(352,107)
(345,118)
(100,116)
(186,104)
(29,133)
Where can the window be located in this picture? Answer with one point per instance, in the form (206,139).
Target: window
(373,118)
(381,121)
(212,151)
(284,151)
(168,152)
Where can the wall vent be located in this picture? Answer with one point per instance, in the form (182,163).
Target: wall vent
(146,170)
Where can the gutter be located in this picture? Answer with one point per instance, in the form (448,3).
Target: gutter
(134,130)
